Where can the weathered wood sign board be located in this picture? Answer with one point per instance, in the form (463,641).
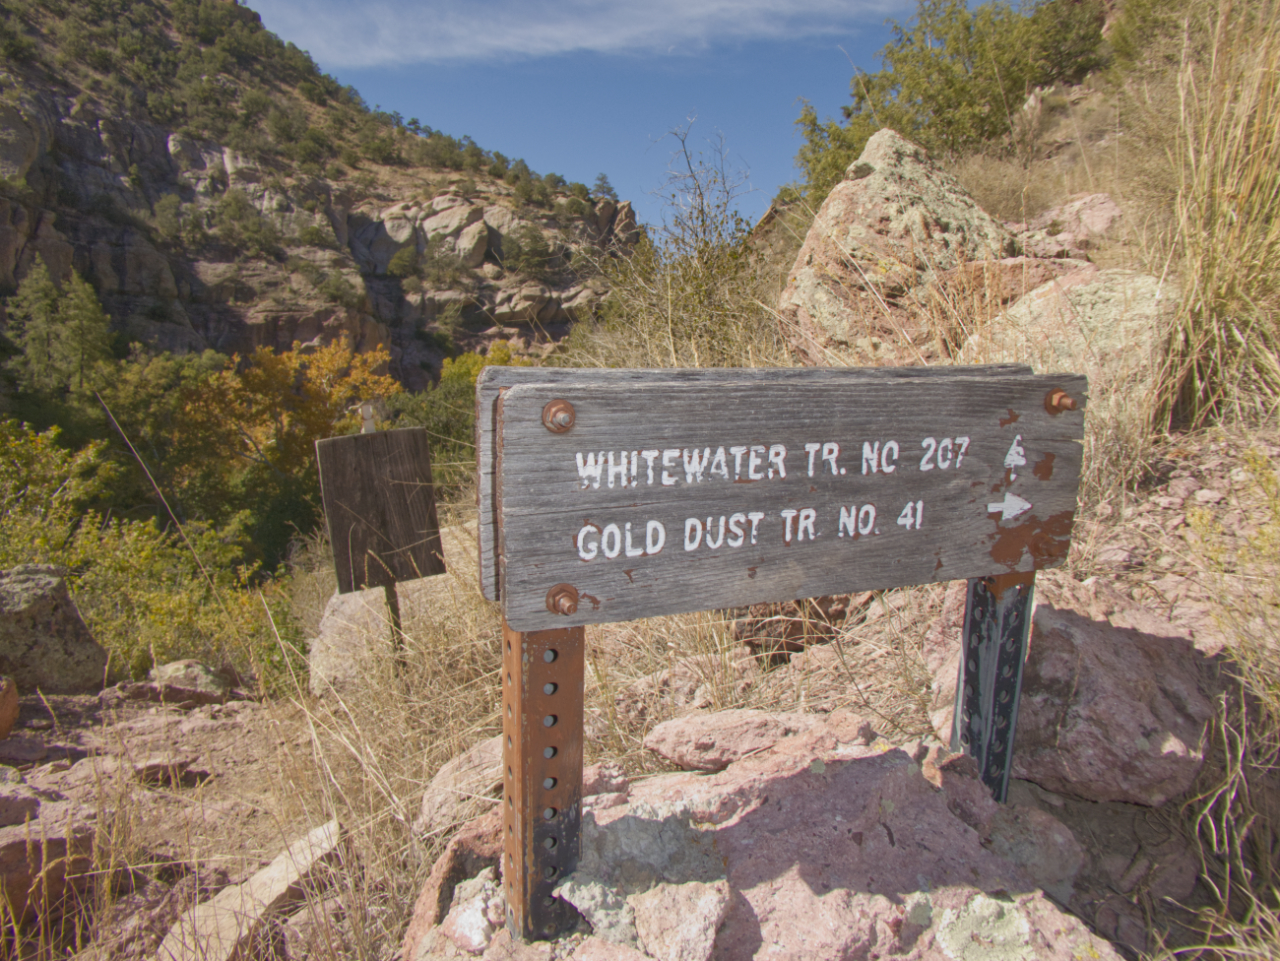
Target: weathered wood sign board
(494,380)
(380,504)
(683,495)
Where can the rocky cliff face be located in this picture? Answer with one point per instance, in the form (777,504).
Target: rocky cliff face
(135,207)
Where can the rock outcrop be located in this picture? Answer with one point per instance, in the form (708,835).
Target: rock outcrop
(94,178)
(895,223)
(223,928)
(1108,713)
(902,267)
(819,845)
(44,643)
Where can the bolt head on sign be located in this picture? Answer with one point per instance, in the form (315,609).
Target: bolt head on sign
(667,496)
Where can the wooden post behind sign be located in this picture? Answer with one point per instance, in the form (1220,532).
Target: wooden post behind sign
(997,621)
(542,730)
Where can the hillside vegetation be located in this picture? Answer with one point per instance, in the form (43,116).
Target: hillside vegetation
(197,226)
(210,251)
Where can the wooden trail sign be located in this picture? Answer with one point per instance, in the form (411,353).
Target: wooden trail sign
(673,498)
(611,495)
(494,380)
(380,504)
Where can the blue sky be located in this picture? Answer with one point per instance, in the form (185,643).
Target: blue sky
(588,86)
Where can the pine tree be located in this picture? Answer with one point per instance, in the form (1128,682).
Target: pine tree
(33,323)
(603,188)
(61,334)
(86,332)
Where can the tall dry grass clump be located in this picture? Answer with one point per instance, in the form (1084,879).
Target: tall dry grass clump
(1236,811)
(696,292)
(1224,350)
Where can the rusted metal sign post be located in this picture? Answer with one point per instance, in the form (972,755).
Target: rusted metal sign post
(380,504)
(609,496)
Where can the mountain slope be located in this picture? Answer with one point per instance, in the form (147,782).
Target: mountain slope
(220,191)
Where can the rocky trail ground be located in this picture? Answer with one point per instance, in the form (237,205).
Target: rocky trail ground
(830,831)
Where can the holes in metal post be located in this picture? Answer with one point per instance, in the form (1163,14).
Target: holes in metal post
(548,783)
(549,814)
(550,688)
(550,843)
(549,929)
(550,871)
(549,752)
(550,654)
(550,720)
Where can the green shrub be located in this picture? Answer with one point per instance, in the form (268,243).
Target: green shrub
(447,411)
(241,225)
(314,235)
(439,267)
(147,595)
(526,251)
(404,263)
(338,290)
(954,80)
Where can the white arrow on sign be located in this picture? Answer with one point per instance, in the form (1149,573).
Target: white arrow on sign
(1010,507)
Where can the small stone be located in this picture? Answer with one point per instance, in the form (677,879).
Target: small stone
(8,706)
(604,777)
(711,742)
(1208,496)
(18,804)
(612,918)
(678,922)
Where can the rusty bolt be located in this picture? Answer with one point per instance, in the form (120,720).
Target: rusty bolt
(562,599)
(1058,400)
(557,416)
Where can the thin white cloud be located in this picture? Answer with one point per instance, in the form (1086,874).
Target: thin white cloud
(342,33)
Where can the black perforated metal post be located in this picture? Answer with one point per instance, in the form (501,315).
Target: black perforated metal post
(997,621)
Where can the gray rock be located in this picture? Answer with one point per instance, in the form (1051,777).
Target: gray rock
(44,643)
(611,916)
(711,742)
(895,223)
(1110,714)
(457,791)
(354,627)
(1103,323)
(678,922)
(473,244)
(19,144)
(18,804)
(189,680)
(831,849)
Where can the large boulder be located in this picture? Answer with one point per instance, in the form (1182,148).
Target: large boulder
(45,860)
(1108,713)
(816,846)
(460,789)
(1102,323)
(354,627)
(859,286)
(44,643)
